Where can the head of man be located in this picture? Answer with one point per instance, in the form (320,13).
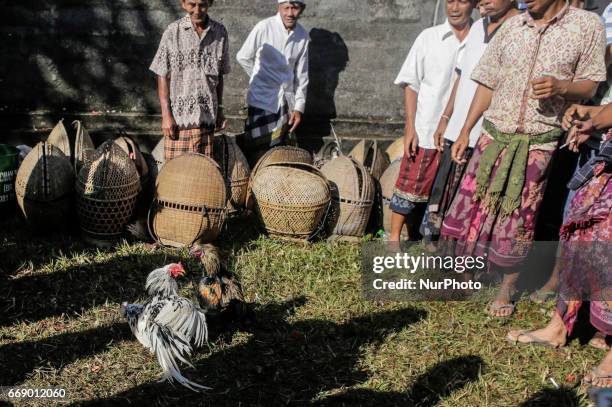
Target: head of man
(197,10)
(459,12)
(497,8)
(539,7)
(290,12)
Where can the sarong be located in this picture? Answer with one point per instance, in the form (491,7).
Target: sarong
(478,230)
(415,179)
(198,140)
(444,189)
(264,129)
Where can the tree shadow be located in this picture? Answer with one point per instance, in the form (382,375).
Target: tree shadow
(328,57)
(21,358)
(563,397)
(282,362)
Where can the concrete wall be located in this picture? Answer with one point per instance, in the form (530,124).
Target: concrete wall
(89,59)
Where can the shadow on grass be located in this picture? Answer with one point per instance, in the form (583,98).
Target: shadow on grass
(563,397)
(39,296)
(20,359)
(282,362)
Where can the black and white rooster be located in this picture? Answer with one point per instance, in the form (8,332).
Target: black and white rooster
(167,324)
(218,291)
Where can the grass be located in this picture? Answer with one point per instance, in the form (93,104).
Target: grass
(312,338)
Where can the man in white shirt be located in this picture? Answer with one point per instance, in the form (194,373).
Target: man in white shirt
(451,121)
(427,77)
(275,56)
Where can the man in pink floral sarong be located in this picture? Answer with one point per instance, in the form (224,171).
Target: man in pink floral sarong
(536,63)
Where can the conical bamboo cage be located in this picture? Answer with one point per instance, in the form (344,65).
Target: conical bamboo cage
(387,183)
(158,154)
(395,151)
(59,138)
(329,151)
(45,187)
(368,153)
(235,170)
(84,148)
(352,193)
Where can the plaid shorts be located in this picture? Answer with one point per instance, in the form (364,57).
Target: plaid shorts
(199,140)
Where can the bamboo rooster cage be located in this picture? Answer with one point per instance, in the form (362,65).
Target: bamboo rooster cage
(368,153)
(190,201)
(291,199)
(395,151)
(83,146)
(59,138)
(352,193)
(235,170)
(387,183)
(45,187)
(106,190)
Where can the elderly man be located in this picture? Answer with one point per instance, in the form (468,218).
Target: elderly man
(537,62)
(192,58)
(427,78)
(275,56)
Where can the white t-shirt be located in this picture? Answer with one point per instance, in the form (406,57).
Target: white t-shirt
(475,45)
(429,70)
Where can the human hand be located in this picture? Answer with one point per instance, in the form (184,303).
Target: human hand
(169,127)
(546,87)
(295,120)
(438,135)
(459,147)
(411,141)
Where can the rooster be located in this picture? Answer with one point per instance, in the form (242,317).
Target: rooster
(167,324)
(217,290)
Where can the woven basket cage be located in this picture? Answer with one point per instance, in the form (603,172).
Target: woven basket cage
(190,201)
(45,186)
(395,151)
(329,151)
(59,138)
(369,154)
(133,151)
(106,190)
(387,183)
(352,193)
(235,170)
(281,154)
(158,154)
(291,199)
(84,148)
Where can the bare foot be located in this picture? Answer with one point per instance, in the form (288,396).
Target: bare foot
(554,334)
(601,376)
(599,341)
(503,306)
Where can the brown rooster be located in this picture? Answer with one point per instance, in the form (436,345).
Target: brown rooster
(218,291)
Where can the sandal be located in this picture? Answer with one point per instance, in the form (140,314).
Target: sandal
(492,308)
(534,340)
(540,297)
(596,374)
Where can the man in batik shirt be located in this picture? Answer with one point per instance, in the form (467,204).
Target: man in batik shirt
(190,63)
(537,62)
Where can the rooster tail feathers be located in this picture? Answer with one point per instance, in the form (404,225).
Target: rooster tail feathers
(211,260)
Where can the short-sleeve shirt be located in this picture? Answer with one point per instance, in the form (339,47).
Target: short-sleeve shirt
(194,65)
(570,46)
(429,70)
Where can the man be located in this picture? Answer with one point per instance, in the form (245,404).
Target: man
(192,58)
(537,62)
(450,173)
(426,77)
(275,56)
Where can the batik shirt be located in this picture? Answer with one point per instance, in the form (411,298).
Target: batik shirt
(194,65)
(570,46)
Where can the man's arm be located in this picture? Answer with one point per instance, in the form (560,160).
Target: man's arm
(163,92)
(446,114)
(246,55)
(480,103)
(411,140)
(301,85)
(549,86)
